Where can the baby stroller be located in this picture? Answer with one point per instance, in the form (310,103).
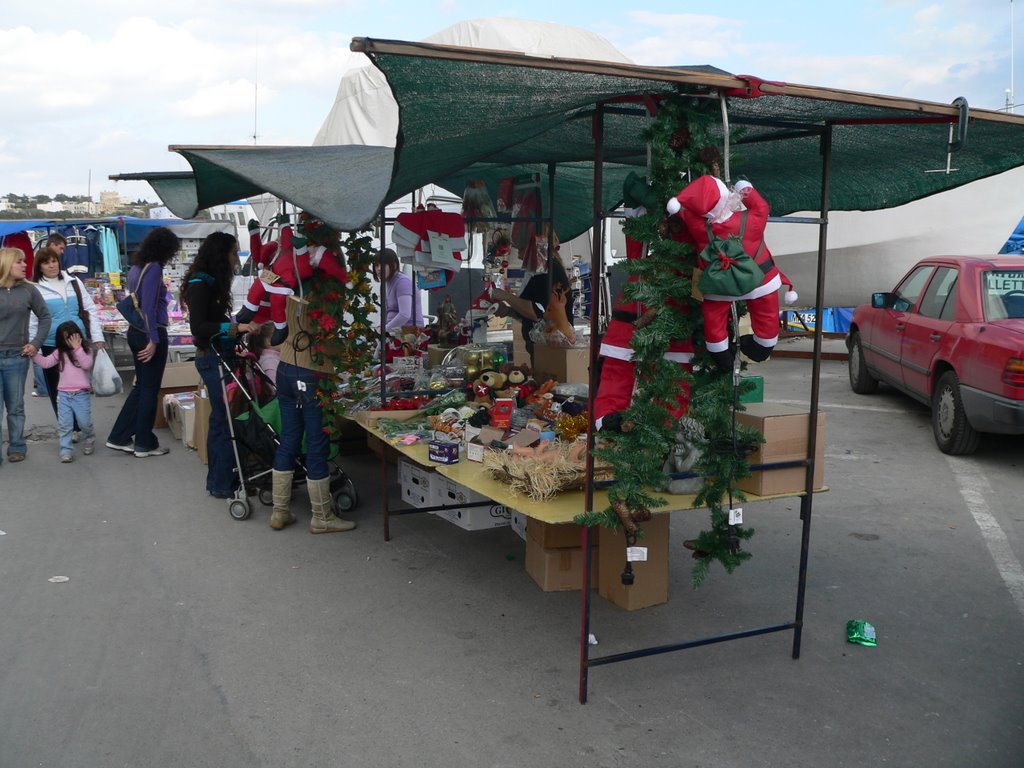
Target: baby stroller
(254,424)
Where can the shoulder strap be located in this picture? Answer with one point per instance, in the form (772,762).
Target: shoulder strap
(82,314)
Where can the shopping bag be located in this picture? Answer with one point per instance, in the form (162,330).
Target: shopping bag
(731,271)
(106,381)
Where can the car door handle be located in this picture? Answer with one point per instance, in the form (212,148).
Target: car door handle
(900,326)
(935,336)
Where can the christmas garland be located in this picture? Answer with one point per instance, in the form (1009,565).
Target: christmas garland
(343,336)
(681,149)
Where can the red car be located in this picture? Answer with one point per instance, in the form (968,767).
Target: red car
(951,335)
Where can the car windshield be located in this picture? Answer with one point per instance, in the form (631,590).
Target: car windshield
(1004,293)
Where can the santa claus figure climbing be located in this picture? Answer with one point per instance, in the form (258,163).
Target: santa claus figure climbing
(618,371)
(294,260)
(708,202)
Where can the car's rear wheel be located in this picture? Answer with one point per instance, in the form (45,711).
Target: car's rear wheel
(953,433)
(861,381)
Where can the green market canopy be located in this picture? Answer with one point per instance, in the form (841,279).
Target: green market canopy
(467,113)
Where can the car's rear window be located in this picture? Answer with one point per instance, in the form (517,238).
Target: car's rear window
(1004,293)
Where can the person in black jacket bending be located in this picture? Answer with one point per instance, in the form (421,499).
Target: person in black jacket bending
(206,291)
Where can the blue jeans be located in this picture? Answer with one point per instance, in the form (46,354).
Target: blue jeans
(38,381)
(220,471)
(135,421)
(300,413)
(74,411)
(13,374)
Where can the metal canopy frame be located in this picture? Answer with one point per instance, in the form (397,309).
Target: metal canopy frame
(806,500)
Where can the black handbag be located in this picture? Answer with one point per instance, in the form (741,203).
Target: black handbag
(129,305)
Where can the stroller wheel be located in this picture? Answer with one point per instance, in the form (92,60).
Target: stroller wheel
(342,502)
(266,497)
(239,509)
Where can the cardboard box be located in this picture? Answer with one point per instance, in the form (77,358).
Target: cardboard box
(785,431)
(564,364)
(443,452)
(517,522)
(556,535)
(559,570)
(417,483)
(180,413)
(452,494)
(178,377)
(202,423)
(650,578)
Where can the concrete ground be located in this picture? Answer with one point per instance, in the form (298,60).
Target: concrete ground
(185,638)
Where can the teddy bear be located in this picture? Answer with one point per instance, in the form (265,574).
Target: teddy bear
(708,205)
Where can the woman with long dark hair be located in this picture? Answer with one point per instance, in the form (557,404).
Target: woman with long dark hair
(206,291)
(133,429)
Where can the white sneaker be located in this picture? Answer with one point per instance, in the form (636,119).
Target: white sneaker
(127,447)
(66,458)
(158,451)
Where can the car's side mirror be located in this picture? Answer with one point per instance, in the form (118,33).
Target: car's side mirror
(882,300)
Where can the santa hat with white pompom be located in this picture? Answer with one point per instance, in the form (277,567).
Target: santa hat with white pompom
(791,295)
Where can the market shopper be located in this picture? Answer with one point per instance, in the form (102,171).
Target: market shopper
(68,300)
(531,303)
(402,306)
(18,300)
(301,414)
(206,292)
(72,359)
(133,429)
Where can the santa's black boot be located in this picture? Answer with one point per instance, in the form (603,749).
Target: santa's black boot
(278,336)
(244,315)
(724,359)
(753,350)
(612,422)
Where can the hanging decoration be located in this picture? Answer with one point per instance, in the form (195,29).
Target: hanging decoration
(682,147)
(344,337)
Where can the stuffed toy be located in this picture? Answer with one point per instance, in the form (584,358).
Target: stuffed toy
(618,371)
(707,205)
(294,261)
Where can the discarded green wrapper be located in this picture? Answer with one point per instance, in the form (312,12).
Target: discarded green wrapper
(860,632)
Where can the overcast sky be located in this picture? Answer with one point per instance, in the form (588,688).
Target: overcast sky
(103,87)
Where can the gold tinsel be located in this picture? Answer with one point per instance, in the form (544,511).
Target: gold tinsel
(568,428)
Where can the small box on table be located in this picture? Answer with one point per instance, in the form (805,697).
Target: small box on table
(570,365)
(443,452)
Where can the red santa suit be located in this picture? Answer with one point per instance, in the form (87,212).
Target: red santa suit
(618,371)
(708,200)
(294,261)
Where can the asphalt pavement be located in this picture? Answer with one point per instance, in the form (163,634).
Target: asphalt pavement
(182,637)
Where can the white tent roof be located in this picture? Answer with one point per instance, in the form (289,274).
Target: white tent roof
(364,111)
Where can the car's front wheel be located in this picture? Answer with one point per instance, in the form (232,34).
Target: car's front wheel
(953,433)
(861,381)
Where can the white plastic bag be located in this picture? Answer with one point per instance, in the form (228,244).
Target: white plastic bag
(106,381)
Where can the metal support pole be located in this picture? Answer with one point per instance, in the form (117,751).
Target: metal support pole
(807,502)
(596,268)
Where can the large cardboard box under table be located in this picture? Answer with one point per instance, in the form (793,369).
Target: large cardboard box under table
(569,365)
(785,432)
(556,535)
(180,413)
(178,377)
(202,425)
(558,570)
(650,577)
(450,494)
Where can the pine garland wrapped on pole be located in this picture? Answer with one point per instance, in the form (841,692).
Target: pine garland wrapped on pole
(344,336)
(681,148)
